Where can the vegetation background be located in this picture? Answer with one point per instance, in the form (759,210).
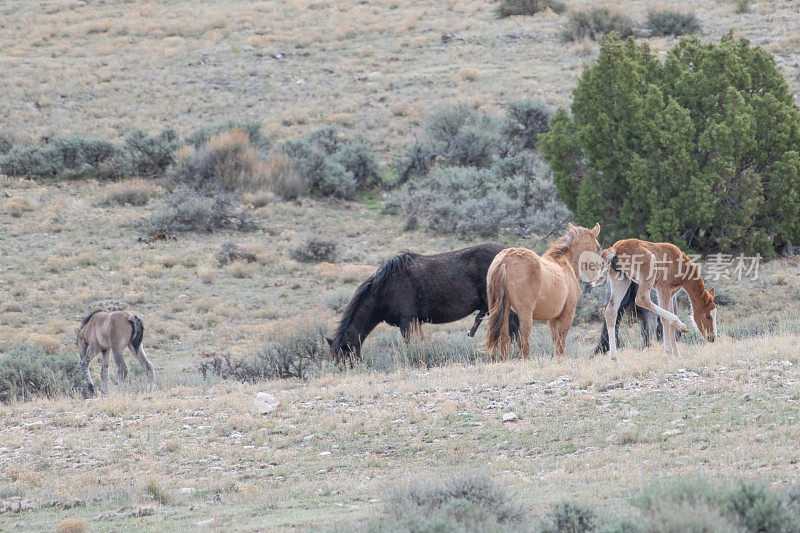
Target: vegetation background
(89,232)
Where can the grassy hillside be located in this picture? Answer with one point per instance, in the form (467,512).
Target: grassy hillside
(192,454)
(377,68)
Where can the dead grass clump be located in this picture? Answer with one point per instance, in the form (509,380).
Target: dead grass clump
(468,74)
(72,525)
(131,192)
(314,250)
(241,269)
(17,205)
(207,275)
(283,177)
(227,160)
(49,343)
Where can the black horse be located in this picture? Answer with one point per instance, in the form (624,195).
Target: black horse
(649,323)
(412,289)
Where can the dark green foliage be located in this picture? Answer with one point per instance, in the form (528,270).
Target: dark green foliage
(315,250)
(516,194)
(508,8)
(331,165)
(27,372)
(189,210)
(759,510)
(668,22)
(571,518)
(469,502)
(293,356)
(252,129)
(702,150)
(67,157)
(595,23)
(150,155)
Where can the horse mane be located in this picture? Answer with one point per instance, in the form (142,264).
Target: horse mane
(89,317)
(371,286)
(561,245)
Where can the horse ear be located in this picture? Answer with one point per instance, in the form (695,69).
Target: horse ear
(711,293)
(77,330)
(596,230)
(570,226)
(330,341)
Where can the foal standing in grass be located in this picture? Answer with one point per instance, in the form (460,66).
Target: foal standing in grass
(102,331)
(537,288)
(664,267)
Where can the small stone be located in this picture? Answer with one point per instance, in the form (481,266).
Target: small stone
(324,453)
(265,403)
(509,417)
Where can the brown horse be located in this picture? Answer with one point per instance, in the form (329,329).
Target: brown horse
(104,331)
(537,288)
(664,267)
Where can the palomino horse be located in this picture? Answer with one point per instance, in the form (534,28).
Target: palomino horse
(664,267)
(537,288)
(102,331)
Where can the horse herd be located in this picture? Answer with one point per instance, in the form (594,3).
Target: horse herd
(516,286)
(513,285)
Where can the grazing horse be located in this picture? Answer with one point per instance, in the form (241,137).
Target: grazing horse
(101,331)
(664,267)
(411,289)
(649,324)
(537,288)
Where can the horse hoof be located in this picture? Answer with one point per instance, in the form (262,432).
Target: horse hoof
(682,327)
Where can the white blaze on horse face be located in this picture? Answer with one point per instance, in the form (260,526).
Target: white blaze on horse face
(714,321)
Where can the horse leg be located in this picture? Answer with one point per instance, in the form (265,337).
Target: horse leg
(104,370)
(643,300)
(558,331)
(85,362)
(619,286)
(144,361)
(122,368)
(524,339)
(670,346)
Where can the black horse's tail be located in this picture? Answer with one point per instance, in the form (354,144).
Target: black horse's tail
(138,332)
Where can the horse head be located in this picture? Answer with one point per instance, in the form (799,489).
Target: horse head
(705,315)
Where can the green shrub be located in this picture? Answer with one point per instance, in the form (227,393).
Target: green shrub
(570,518)
(516,194)
(470,502)
(524,121)
(701,150)
(28,372)
(742,6)
(595,23)
(330,165)
(699,505)
(668,22)
(509,8)
(189,210)
(66,157)
(314,250)
(294,356)
(389,352)
(150,155)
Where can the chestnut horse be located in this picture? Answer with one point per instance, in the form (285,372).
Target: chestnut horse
(664,267)
(537,288)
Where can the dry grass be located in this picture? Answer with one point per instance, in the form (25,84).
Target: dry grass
(18,205)
(316,59)
(72,525)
